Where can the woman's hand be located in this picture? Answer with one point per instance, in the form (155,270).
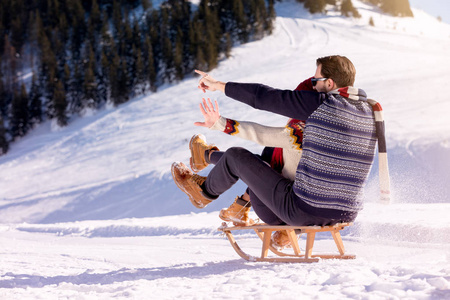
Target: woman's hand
(209,112)
(209,83)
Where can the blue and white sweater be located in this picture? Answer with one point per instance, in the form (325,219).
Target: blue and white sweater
(338,145)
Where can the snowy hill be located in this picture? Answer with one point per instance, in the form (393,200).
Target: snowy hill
(91,211)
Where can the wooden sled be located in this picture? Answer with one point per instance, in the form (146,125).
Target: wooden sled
(264,232)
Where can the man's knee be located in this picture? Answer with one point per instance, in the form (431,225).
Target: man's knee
(237,152)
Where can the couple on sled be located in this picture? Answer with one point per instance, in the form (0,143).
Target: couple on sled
(312,171)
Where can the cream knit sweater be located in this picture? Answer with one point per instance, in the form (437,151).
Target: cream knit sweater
(288,137)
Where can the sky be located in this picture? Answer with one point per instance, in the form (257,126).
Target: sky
(434,7)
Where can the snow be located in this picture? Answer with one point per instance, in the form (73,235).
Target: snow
(90,211)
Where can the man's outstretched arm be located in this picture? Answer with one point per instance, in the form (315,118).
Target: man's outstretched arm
(293,104)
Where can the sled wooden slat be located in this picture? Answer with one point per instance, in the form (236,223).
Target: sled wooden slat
(266,243)
(294,241)
(265,231)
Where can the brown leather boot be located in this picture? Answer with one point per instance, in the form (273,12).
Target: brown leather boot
(280,239)
(236,213)
(190,184)
(198,147)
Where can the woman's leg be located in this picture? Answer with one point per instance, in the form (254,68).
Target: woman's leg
(262,180)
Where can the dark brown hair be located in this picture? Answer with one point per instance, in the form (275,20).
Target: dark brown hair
(339,68)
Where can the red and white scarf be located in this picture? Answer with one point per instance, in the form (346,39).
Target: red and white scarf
(358,94)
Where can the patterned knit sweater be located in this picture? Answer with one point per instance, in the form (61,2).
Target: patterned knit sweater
(338,145)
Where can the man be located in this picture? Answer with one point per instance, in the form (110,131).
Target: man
(338,151)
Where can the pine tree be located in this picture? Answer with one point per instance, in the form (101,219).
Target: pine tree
(348,9)
(200,61)
(90,98)
(146,5)
(89,88)
(17,33)
(136,34)
(95,16)
(19,113)
(35,103)
(123,83)
(103,86)
(4,145)
(398,8)
(211,45)
(53,13)
(9,66)
(3,102)
(48,72)
(260,18)
(104,31)
(66,77)
(314,6)
(114,80)
(178,56)
(60,104)
(228,44)
(241,20)
(64,28)
(149,64)
(271,15)
(76,90)
(167,57)
(34,28)
(47,56)
(140,74)
(117,14)
(78,27)
(2,36)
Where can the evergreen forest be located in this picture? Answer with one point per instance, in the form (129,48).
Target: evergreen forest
(59,58)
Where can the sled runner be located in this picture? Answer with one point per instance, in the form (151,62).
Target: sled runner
(264,232)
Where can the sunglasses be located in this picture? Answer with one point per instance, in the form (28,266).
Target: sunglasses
(314,80)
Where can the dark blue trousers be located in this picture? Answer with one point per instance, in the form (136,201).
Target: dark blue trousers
(271,195)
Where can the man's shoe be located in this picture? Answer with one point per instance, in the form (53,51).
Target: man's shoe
(236,213)
(280,239)
(190,184)
(198,147)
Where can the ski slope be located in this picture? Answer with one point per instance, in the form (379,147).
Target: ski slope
(90,211)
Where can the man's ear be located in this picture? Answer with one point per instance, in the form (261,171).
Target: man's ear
(331,85)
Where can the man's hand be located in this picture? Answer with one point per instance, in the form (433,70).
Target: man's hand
(210,113)
(209,83)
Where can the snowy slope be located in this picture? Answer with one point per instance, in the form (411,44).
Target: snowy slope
(91,211)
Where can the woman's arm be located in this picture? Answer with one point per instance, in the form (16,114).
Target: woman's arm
(268,136)
(282,137)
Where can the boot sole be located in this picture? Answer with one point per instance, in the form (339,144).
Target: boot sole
(237,222)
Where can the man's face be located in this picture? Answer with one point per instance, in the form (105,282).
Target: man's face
(321,86)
